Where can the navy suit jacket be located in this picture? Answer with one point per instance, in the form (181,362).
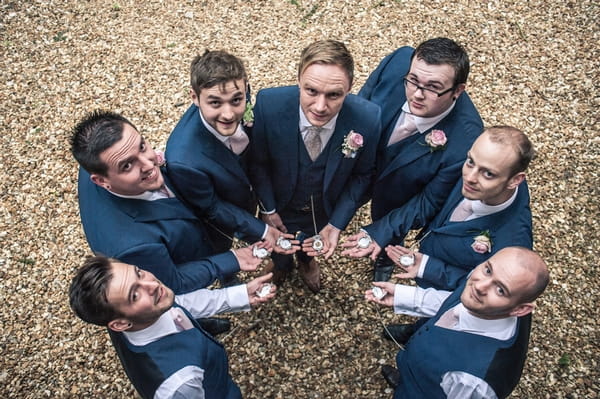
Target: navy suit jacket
(276,146)
(211,178)
(449,243)
(416,180)
(162,236)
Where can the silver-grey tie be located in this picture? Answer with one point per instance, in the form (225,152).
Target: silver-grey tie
(312,141)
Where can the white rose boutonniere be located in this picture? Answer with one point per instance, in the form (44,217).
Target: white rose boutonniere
(482,243)
(436,140)
(352,143)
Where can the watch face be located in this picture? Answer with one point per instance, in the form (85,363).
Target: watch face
(317,243)
(260,252)
(284,243)
(407,260)
(378,292)
(264,290)
(364,242)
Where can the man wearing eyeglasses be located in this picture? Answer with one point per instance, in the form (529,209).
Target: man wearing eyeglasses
(429,123)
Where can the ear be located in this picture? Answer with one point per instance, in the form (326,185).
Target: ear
(522,309)
(120,325)
(194,98)
(458,91)
(100,180)
(514,181)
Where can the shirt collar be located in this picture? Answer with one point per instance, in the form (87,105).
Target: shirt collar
(501,329)
(481,209)
(162,327)
(305,124)
(146,195)
(424,124)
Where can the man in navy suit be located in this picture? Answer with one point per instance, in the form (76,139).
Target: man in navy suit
(129,209)
(206,152)
(488,210)
(163,351)
(475,343)
(429,123)
(313,155)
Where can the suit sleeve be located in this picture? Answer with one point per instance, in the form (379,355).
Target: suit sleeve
(184,277)
(197,189)
(419,210)
(360,181)
(259,172)
(447,276)
(373,80)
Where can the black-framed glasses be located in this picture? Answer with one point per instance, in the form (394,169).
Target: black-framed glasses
(413,86)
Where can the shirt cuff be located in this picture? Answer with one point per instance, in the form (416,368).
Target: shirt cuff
(421,270)
(264,234)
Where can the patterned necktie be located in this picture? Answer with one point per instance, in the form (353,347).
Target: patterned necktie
(180,319)
(449,319)
(402,131)
(312,141)
(238,142)
(462,211)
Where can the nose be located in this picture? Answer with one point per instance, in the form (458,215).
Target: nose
(227,113)
(149,285)
(470,175)
(320,104)
(481,286)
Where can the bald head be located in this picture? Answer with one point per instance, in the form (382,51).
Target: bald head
(535,265)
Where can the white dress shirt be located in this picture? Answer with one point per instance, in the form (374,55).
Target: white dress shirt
(416,301)
(423,124)
(326,130)
(187,382)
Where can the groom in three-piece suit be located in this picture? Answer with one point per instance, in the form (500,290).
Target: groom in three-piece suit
(313,154)
(422,97)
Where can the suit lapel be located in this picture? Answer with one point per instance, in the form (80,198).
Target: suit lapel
(214,149)
(150,211)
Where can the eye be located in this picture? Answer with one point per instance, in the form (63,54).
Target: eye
(139,272)
(135,296)
(486,270)
(488,175)
(500,291)
(334,96)
(143,146)
(126,166)
(214,103)
(236,101)
(311,92)
(469,162)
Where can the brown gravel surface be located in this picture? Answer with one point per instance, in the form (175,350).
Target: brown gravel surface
(535,66)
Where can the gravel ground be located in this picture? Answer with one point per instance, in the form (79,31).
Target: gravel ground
(535,66)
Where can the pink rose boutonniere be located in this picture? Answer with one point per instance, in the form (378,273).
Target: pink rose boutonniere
(482,243)
(160,158)
(436,140)
(352,143)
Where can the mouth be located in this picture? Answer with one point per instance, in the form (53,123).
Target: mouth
(475,296)
(468,188)
(159,294)
(153,175)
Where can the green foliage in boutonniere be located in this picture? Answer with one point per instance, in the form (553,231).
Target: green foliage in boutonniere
(248,117)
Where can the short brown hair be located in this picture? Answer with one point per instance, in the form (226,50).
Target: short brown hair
(215,68)
(87,295)
(515,138)
(327,52)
